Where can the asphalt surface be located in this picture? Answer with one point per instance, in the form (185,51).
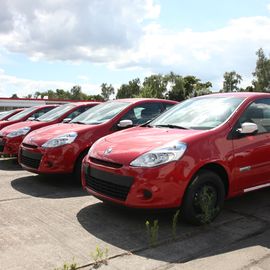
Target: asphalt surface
(47,221)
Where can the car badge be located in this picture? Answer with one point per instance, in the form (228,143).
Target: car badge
(108,151)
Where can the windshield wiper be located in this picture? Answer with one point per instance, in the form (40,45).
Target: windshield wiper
(171,126)
(77,122)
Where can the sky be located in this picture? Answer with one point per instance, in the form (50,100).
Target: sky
(50,44)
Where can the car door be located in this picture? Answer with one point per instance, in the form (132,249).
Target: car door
(252,151)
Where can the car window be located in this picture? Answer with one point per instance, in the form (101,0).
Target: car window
(77,112)
(101,113)
(167,106)
(142,113)
(258,112)
(41,112)
(22,114)
(56,113)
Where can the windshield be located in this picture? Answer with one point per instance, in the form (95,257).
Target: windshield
(20,115)
(55,113)
(198,113)
(101,113)
(4,114)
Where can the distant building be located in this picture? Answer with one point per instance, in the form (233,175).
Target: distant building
(14,103)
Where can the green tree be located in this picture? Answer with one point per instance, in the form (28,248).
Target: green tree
(77,94)
(154,86)
(261,82)
(106,91)
(130,90)
(177,87)
(231,82)
(14,96)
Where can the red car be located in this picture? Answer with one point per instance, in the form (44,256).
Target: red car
(6,114)
(31,112)
(61,148)
(12,135)
(195,155)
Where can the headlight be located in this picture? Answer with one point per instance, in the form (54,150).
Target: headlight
(60,140)
(167,153)
(19,132)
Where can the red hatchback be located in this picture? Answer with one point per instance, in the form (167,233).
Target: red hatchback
(60,148)
(195,155)
(12,135)
(33,112)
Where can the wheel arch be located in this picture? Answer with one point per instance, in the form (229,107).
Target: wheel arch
(219,170)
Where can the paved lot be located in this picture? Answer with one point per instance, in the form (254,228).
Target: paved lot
(46,221)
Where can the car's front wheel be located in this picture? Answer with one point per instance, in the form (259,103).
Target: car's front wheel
(203,198)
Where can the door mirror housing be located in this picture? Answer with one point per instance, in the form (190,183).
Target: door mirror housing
(247,128)
(67,120)
(125,123)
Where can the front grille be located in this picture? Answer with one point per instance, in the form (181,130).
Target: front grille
(30,159)
(29,145)
(106,163)
(109,184)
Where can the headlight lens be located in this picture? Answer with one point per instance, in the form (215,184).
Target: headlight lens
(19,132)
(60,140)
(167,153)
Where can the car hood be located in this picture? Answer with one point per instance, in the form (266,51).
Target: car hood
(42,135)
(127,145)
(32,124)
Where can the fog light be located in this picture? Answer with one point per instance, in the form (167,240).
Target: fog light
(49,164)
(147,194)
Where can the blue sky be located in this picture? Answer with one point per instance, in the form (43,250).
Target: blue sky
(53,44)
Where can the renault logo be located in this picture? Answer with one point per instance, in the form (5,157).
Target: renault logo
(108,151)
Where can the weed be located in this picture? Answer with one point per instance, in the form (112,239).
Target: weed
(66,266)
(152,232)
(206,204)
(100,256)
(174,223)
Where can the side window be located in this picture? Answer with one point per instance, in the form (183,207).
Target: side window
(77,112)
(41,112)
(258,112)
(143,113)
(167,106)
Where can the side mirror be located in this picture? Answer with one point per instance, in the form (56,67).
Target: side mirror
(247,128)
(125,124)
(66,120)
(32,118)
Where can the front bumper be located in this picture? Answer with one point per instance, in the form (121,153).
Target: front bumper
(10,146)
(158,187)
(47,161)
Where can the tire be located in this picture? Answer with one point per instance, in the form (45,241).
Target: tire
(203,198)
(78,165)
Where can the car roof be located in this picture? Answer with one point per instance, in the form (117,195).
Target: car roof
(134,100)
(239,94)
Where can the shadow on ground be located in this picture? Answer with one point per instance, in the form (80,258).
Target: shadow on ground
(244,222)
(48,186)
(10,164)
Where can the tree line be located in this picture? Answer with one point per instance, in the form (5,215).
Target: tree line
(169,86)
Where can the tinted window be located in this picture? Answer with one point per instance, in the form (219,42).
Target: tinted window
(258,112)
(142,113)
(41,112)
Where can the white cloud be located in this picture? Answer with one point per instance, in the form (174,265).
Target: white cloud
(96,30)
(11,84)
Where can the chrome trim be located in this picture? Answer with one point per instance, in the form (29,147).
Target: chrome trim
(244,169)
(256,187)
